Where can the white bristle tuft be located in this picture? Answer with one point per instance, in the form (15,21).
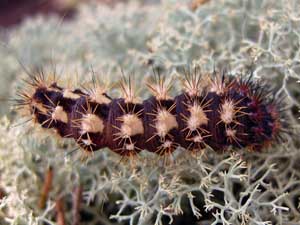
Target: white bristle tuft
(217,85)
(160,87)
(230,133)
(192,83)
(128,90)
(198,139)
(130,147)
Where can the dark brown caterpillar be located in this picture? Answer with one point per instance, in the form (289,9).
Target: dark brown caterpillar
(216,111)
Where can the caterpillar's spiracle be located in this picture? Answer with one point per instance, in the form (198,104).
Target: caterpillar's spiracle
(217,111)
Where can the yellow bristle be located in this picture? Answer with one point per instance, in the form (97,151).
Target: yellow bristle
(159,86)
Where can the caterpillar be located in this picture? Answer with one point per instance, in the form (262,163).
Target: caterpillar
(217,111)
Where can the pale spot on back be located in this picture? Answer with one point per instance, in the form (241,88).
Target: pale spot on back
(132,125)
(59,114)
(98,96)
(227,112)
(39,106)
(165,122)
(197,117)
(67,93)
(92,123)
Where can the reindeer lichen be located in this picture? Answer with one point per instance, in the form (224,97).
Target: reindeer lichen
(243,187)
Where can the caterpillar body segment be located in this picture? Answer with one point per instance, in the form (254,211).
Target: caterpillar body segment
(89,123)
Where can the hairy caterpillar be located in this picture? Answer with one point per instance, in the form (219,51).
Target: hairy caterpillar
(217,111)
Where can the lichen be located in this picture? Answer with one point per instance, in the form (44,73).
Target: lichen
(232,188)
